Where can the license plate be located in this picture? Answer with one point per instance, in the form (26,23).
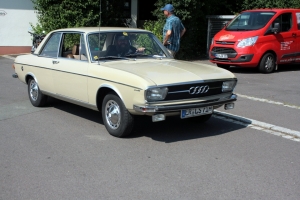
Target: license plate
(221,55)
(193,112)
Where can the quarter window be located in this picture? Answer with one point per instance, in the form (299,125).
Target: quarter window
(51,48)
(298,20)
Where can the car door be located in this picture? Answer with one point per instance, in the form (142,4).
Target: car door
(70,68)
(286,42)
(298,35)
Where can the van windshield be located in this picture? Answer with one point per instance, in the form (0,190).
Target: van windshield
(248,21)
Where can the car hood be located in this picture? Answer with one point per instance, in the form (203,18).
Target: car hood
(168,71)
(234,35)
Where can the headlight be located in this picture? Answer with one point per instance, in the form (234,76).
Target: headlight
(155,94)
(228,86)
(247,42)
(212,41)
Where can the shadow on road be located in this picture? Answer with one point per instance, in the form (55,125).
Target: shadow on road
(173,129)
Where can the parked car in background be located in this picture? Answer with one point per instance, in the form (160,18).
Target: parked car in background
(261,38)
(84,66)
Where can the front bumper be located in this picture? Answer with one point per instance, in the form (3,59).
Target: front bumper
(173,108)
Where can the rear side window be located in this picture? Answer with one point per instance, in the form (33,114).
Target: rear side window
(52,46)
(298,20)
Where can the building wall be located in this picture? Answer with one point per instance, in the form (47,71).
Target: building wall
(15,19)
(16,16)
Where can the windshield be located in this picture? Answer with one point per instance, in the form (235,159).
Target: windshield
(248,21)
(124,45)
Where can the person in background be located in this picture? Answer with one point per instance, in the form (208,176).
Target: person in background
(173,30)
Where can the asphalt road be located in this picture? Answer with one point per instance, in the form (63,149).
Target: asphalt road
(62,151)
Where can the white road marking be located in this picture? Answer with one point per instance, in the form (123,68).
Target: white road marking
(269,101)
(258,125)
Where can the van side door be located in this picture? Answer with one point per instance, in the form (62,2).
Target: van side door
(298,35)
(286,46)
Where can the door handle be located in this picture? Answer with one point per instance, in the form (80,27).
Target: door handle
(294,34)
(55,62)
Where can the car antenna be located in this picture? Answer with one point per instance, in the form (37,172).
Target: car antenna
(99,34)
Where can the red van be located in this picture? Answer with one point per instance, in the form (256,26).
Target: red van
(260,38)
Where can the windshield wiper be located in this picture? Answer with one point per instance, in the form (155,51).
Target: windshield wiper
(134,55)
(110,58)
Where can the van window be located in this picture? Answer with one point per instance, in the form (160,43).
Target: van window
(248,21)
(285,21)
(298,20)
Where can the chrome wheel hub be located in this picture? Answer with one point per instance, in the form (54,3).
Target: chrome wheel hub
(34,90)
(113,114)
(269,63)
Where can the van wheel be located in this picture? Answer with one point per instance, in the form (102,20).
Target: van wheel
(267,63)
(36,97)
(116,118)
(223,66)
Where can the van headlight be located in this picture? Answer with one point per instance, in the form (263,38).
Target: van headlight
(247,42)
(228,86)
(156,94)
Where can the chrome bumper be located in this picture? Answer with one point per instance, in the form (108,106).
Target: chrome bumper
(178,107)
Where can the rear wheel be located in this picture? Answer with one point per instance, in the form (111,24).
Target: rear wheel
(116,118)
(267,63)
(223,66)
(36,97)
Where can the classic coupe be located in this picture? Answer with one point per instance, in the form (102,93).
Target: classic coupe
(122,73)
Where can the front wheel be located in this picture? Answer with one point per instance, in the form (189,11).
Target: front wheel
(36,97)
(267,63)
(116,118)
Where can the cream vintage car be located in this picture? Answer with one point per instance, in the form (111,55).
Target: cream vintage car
(123,73)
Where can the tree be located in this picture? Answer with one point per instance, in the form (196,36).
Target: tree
(55,14)
(251,4)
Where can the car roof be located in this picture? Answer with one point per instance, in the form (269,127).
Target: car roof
(104,29)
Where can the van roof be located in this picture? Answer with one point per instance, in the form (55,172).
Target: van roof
(272,9)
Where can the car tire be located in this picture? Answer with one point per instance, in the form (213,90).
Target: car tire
(36,97)
(201,119)
(223,66)
(267,63)
(116,118)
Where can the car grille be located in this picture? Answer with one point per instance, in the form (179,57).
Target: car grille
(179,92)
(223,50)
(225,43)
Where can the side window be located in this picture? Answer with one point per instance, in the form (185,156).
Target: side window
(285,21)
(298,20)
(51,48)
(70,46)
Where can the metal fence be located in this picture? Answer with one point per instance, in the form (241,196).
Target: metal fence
(215,24)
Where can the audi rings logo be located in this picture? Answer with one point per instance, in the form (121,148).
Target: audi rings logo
(199,89)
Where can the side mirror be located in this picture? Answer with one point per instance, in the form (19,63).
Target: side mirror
(276,28)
